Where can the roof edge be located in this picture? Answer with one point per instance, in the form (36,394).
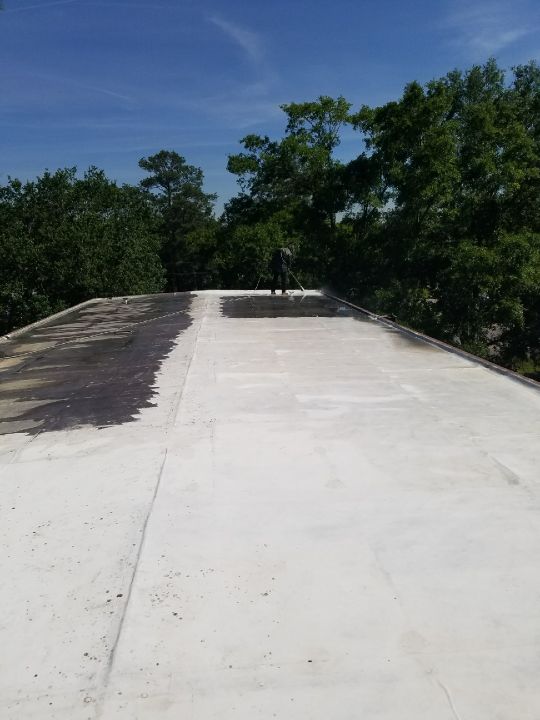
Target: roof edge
(511,374)
(38,323)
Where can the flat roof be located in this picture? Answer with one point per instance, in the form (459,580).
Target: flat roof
(231,505)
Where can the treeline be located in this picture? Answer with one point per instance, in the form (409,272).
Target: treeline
(435,219)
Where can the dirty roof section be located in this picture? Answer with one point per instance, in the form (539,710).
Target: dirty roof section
(265,507)
(94,366)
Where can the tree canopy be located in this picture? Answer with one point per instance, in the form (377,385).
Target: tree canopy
(184,210)
(65,239)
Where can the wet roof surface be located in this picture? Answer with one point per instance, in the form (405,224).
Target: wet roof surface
(285,306)
(94,366)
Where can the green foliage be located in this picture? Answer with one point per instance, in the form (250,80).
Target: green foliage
(244,253)
(448,230)
(295,185)
(64,240)
(299,170)
(185,213)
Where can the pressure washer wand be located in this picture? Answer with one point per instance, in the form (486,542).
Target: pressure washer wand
(297,280)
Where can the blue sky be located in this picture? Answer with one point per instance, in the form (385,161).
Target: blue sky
(93,82)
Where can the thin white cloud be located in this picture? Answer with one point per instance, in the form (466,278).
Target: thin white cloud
(248,41)
(242,105)
(234,110)
(113,149)
(57,79)
(487,28)
(126,5)
(40,6)
(104,91)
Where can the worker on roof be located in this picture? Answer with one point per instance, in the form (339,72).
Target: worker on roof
(279,265)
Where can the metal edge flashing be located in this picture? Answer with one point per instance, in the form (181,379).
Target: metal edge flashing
(511,374)
(45,320)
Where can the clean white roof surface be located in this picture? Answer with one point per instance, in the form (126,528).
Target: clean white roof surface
(318,518)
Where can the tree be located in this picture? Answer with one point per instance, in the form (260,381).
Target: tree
(65,239)
(458,162)
(244,253)
(183,208)
(298,179)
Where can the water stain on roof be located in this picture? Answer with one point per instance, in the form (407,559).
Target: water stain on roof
(284,306)
(95,366)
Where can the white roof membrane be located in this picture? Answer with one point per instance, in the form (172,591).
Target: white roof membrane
(227,505)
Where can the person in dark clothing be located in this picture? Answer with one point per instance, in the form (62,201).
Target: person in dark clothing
(279,265)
